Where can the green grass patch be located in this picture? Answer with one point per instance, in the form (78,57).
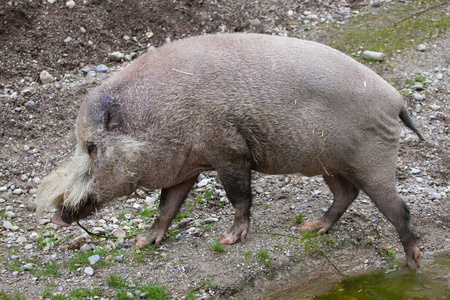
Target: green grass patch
(389,254)
(298,219)
(51,268)
(247,254)
(216,246)
(123,213)
(83,293)
(140,254)
(208,193)
(149,290)
(147,213)
(116,282)
(207,226)
(81,258)
(183,214)
(392,28)
(5,296)
(191,294)
(264,257)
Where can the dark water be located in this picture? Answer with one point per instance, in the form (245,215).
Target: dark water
(431,282)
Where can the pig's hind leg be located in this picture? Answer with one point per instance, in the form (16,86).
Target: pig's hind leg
(170,203)
(385,197)
(236,180)
(344,192)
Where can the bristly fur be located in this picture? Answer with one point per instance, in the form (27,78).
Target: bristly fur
(67,184)
(82,177)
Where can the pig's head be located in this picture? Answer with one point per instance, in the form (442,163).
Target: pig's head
(105,164)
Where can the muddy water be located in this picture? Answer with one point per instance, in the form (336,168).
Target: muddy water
(431,282)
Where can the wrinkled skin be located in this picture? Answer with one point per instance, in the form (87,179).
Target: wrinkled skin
(236,103)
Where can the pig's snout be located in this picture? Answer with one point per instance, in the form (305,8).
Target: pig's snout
(65,216)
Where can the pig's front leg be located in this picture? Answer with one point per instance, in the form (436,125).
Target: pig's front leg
(236,181)
(170,203)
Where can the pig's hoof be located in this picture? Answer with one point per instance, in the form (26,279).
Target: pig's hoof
(320,226)
(143,239)
(413,259)
(232,236)
(140,241)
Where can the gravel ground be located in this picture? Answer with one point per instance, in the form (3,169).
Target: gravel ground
(37,135)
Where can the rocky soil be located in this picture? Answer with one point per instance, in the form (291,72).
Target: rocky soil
(41,260)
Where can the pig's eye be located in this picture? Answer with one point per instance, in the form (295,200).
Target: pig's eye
(91,148)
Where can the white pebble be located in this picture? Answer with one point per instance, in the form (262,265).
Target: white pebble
(21,239)
(10,214)
(70,4)
(7,225)
(93,259)
(203,182)
(17,192)
(89,271)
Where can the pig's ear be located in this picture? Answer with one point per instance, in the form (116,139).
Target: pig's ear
(112,118)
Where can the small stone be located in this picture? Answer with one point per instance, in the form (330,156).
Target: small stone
(421,47)
(68,39)
(435,107)
(255,22)
(83,30)
(51,1)
(418,86)
(440,76)
(101,69)
(7,225)
(210,220)
(415,171)
(203,182)
(27,91)
(290,13)
(21,239)
(178,237)
(130,295)
(10,215)
(131,56)
(418,97)
(85,247)
(89,271)
(29,266)
(119,233)
(86,70)
(94,259)
(148,35)
(116,56)
(30,104)
(118,257)
(70,4)
(98,230)
(259,189)
(371,55)
(24,177)
(44,221)
(45,77)
(17,192)
(312,17)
